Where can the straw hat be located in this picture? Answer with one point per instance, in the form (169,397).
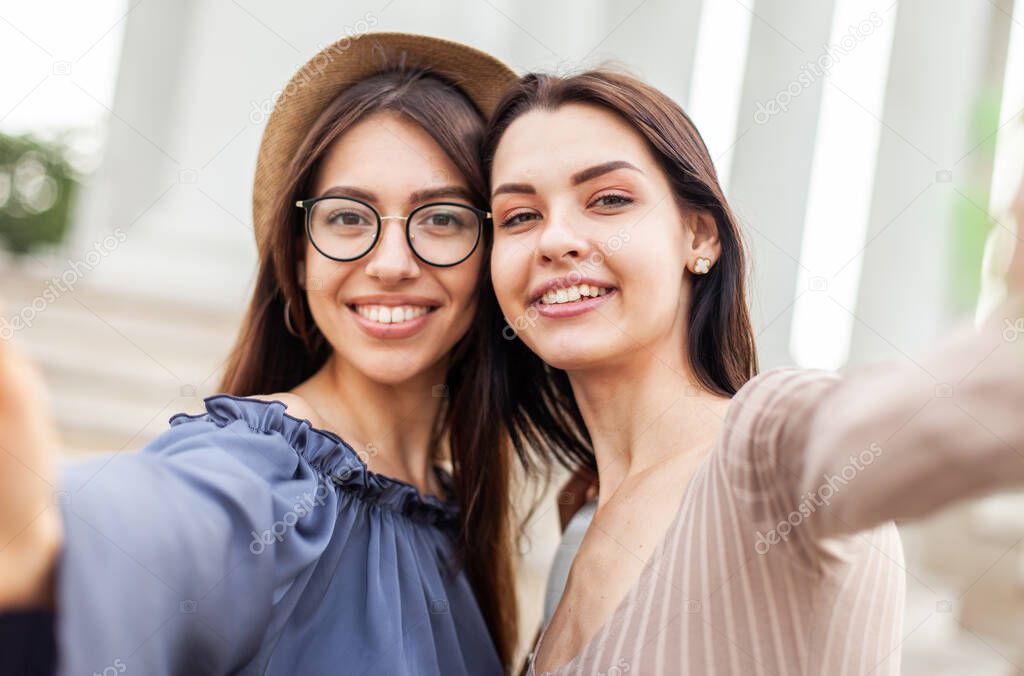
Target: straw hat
(480,76)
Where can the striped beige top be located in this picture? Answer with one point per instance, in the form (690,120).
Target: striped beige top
(783,557)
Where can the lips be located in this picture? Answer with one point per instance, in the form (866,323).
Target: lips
(392,316)
(569,289)
(570,296)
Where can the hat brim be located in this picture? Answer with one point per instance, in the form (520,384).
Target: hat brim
(336,67)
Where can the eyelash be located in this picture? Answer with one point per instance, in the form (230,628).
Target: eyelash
(620,200)
(511,221)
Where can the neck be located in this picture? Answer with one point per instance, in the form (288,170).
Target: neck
(389,425)
(644,412)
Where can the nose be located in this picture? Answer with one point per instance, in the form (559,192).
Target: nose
(561,238)
(391,260)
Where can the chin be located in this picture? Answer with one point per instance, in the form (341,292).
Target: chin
(574,352)
(392,367)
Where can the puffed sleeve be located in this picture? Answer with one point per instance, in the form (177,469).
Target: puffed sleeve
(892,440)
(178,558)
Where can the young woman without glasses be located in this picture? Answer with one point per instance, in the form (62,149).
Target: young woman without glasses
(744,522)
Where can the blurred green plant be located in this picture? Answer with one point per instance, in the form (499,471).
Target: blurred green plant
(971,223)
(37,185)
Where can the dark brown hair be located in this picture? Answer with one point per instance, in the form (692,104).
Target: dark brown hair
(268,358)
(535,401)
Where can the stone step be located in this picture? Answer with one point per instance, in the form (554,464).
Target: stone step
(938,640)
(118,364)
(21,289)
(130,374)
(90,423)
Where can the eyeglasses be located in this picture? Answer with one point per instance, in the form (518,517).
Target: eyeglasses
(441,234)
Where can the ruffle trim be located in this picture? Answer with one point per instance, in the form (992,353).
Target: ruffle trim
(329,454)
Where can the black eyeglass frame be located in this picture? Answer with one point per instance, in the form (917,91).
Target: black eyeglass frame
(483,218)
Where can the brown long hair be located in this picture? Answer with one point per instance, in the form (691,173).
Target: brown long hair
(535,401)
(268,358)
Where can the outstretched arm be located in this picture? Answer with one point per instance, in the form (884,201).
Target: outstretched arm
(945,427)
(843,452)
(902,440)
(30,525)
(171,555)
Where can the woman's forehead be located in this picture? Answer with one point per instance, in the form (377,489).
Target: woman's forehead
(566,139)
(387,154)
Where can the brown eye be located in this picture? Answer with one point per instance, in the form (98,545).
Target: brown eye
(342,217)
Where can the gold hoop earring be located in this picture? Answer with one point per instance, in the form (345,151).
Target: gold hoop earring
(288,318)
(702,266)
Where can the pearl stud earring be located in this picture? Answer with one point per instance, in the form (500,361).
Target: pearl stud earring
(702,265)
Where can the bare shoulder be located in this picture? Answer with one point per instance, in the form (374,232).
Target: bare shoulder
(295,406)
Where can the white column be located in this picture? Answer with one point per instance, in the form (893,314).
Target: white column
(197,83)
(772,157)
(139,155)
(842,177)
(931,156)
(656,40)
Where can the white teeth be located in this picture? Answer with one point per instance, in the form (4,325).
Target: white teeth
(390,314)
(572,294)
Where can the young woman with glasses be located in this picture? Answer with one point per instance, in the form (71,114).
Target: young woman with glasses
(302,523)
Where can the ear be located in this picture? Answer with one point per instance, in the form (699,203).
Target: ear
(704,241)
(300,272)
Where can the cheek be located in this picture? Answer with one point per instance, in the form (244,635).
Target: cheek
(323,276)
(651,270)
(509,270)
(658,248)
(461,282)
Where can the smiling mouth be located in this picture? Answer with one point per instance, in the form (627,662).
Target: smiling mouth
(390,315)
(573,294)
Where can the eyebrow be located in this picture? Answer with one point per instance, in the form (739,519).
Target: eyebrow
(443,192)
(579,177)
(417,197)
(349,191)
(514,188)
(602,169)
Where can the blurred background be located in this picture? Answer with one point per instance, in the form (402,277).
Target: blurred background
(870,149)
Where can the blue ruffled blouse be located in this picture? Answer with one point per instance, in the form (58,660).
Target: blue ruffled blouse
(244,540)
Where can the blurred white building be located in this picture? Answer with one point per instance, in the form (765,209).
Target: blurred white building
(854,138)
